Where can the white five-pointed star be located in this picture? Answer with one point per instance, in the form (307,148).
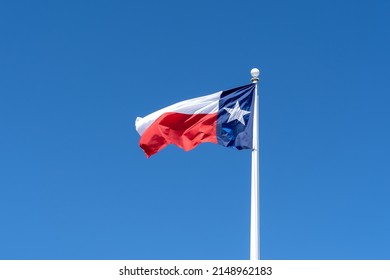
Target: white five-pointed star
(236,113)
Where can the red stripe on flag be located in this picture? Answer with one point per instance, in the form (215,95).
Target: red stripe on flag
(183,130)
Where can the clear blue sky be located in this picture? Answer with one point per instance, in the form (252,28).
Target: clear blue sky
(74,75)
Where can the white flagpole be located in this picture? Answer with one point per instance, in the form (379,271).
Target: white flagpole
(255,194)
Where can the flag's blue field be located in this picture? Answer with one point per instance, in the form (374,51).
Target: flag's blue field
(74,75)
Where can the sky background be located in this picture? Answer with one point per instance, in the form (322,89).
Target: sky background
(74,75)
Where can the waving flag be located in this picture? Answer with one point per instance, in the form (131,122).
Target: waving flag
(224,117)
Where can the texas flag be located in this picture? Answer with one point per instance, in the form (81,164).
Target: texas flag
(224,117)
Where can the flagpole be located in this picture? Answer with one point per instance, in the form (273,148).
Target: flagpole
(255,185)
